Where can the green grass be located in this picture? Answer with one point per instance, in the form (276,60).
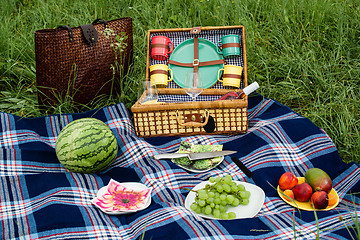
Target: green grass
(305,54)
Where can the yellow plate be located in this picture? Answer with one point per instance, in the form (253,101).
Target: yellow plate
(306,205)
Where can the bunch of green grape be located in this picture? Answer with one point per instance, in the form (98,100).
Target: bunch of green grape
(217,196)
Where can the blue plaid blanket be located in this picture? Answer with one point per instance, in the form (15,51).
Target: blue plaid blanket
(39,199)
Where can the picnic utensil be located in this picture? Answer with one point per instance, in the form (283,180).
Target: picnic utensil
(161,47)
(230,45)
(242,167)
(193,156)
(208,62)
(231,76)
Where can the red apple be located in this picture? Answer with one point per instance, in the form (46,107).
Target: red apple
(302,192)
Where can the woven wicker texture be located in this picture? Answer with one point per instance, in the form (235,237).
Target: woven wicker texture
(165,123)
(77,68)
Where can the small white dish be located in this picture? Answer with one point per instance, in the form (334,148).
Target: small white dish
(129,185)
(256,201)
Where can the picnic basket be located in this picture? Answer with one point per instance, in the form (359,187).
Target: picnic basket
(175,114)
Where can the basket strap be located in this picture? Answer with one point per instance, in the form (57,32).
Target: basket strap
(196,55)
(201,64)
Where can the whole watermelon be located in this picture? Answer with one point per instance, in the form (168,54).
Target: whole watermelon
(86,145)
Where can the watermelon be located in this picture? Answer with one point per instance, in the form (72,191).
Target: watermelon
(86,145)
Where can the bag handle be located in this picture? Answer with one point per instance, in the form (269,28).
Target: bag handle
(106,23)
(71,34)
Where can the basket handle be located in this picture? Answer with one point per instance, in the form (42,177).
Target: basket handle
(106,24)
(70,31)
(193,123)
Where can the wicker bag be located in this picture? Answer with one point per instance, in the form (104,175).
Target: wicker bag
(82,62)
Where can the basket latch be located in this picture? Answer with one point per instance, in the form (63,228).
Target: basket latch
(193,119)
(195,30)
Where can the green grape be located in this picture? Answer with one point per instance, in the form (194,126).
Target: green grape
(219,188)
(203,210)
(229,199)
(240,187)
(227,180)
(243,195)
(227,176)
(245,201)
(208,210)
(236,202)
(224,216)
(222,208)
(210,200)
(223,196)
(211,194)
(226,187)
(216,197)
(201,203)
(203,196)
(193,206)
(231,215)
(201,191)
(216,213)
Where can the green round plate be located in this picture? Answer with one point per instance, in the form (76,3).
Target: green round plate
(184,53)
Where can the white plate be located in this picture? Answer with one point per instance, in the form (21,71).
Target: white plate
(131,185)
(198,170)
(256,201)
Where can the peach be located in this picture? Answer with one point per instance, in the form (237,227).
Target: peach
(289,194)
(302,192)
(332,199)
(287,181)
(319,200)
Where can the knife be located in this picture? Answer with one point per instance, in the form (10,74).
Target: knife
(193,156)
(242,167)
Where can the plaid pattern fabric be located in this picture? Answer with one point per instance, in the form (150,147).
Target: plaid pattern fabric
(39,199)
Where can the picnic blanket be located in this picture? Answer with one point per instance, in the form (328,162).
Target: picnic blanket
(39,199)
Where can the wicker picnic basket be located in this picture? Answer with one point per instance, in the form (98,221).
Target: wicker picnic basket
(175,114)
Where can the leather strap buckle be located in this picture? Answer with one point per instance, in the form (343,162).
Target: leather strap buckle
(196,62)
(90,33)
